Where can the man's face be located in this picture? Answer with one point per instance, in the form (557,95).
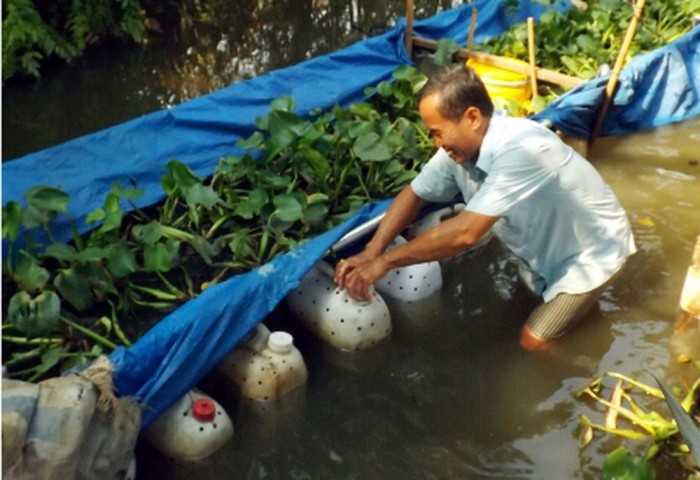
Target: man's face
(461,139)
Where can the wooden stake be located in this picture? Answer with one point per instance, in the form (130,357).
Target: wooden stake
(472,28)
(409,27)
(612,81)
(531,54)
(549,76)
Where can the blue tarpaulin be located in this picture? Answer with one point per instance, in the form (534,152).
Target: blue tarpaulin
(175,354)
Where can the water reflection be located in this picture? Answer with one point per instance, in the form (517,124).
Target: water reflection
(196,47)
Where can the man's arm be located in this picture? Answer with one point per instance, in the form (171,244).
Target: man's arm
(400,214)
(444,240)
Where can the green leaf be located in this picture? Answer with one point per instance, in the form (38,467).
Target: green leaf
(48,199)
(384,89)
(61,251)
(245,209)
(34,317)
(178,177)
(587,43)
(254,141)
(49,359)
(316,198)
(33,217)
(161,256)
(29,274)
(621,465)
(315,214)
(91,254)
(240,244)
(11,220)
(121,261)
(200,195)
(75,288)
(96,215)
(288,208)
(277,223)
(284,104)
(285,127)
(258,198)
(149,233)
(113,214)
(205,249)
(363,110)
(128,193)
(371,148)
(319,165)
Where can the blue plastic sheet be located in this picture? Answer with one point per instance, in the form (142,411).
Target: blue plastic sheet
(655,89)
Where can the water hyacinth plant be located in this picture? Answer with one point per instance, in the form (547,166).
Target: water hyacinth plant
(298,176)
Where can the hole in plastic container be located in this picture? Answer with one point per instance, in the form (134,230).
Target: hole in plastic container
(346,300)
(342,320)
(201,429)
(411,277)
(371,324)
(218,412)
(337,292)
(328,309)
(389,282)
(265,397)
(284,361)
(259,382)
(214,425)
(332,333)
(400,288)
(184,414)
(328,289)
(262,369)
(359,310)
(398,272)
(359,329)
(313,301)
(415,289)
(425,277)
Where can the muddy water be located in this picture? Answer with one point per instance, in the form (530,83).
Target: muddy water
(451,395)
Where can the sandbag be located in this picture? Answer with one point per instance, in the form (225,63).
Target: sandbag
(70,427)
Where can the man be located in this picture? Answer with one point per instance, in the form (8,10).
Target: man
(545,202)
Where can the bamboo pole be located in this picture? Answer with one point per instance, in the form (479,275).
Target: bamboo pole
(531,54)
(549,76)
(409,27)
(612,81)
(472,28)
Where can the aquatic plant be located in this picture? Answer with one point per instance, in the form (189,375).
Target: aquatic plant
(647,423)
(296,177)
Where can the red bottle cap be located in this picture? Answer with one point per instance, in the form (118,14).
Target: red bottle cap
(203,410)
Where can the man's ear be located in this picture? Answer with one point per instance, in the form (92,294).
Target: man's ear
(472,115)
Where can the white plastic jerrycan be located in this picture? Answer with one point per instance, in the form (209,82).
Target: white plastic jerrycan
(192,429)
(334,316)
(412,282)
(267,366)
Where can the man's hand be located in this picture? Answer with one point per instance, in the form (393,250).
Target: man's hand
(345,266)
(360,277)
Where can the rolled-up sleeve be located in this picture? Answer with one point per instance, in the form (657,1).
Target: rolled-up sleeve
(436,181)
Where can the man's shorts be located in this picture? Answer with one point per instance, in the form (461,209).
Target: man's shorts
(552,319)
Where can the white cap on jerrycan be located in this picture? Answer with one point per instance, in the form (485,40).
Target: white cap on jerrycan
(280,342)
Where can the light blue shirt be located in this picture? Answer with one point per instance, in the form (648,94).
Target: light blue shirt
(557,213)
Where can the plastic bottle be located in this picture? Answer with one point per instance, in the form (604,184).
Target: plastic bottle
(192,429)
(334,316)
(690,295)
(267,366)
(412,282)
